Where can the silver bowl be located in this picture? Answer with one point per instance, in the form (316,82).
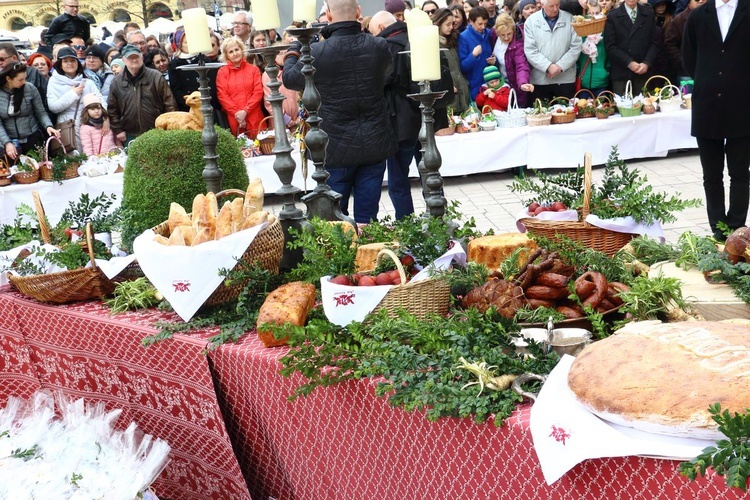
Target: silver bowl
(569,340)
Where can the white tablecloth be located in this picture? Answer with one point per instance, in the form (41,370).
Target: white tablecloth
(554,146)
(55,196)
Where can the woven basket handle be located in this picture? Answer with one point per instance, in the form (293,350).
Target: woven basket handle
(586,185)
(561,99)
(669,83)
(41,218)
(46,147)
(262,122)
(575,96)
(512,99)
(486,106)
(229,192)
(629,90)
(677,93)
(90,243)
(395,259)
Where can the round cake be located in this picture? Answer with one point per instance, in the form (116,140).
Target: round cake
(662,377)
(493,250)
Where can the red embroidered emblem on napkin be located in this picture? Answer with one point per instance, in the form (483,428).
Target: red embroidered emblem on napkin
(559,434)
(344,299)
(181,286)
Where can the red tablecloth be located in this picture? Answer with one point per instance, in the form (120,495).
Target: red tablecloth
(166,389)
(342,442)
(339,443)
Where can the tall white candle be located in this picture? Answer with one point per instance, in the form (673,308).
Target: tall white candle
(196,30)
(304,10)
(266,15)
(425,53)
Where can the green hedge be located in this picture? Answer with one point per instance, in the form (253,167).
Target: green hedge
(167,165)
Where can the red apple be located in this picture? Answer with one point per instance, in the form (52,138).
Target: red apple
(558,206)
(341,280)
(539,210)
(383,279)
(367,281)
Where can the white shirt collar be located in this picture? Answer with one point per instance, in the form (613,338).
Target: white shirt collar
(730,3)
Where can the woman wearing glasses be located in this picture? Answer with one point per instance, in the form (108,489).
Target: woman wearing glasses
(67,87)
(22,115)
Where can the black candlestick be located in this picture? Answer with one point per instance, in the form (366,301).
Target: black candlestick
(212,174)
(284,165)
(429,167)
(322,202)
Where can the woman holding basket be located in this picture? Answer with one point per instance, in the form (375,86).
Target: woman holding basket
(240,89)
(23,119)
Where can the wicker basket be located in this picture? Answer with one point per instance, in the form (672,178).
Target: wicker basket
(67,286)
(265,251)
(627,112)
(590,26)
(45,167)
(514,117)
(27,177)
(420,298)
(5,180)
(603,240)
(581,112)
(561,118)
(267,143)
(672,104)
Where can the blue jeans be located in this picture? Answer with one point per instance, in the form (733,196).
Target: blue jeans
(362,181)
(399,188)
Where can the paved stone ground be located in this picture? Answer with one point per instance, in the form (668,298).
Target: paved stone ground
(488,199)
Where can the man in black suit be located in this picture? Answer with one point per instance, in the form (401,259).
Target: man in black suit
(631,43)
(715,52)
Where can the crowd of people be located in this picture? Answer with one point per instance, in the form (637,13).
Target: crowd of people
(114,89)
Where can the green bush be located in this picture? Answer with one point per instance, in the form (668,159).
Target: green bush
(167,165)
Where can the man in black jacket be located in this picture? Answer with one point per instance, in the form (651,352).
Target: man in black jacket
(68,24)
(404,112)
(715,51)
(352,69)
(630,38)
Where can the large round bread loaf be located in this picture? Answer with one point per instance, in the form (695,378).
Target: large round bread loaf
(662,377)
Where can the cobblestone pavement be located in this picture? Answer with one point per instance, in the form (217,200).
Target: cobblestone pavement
(488,199)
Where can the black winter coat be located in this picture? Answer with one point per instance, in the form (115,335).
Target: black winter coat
(352,69)
(65,27)
(720,71)
(626,41)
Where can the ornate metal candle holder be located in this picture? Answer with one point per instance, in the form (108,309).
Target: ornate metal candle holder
(212,174)
(283,165)
(429,167)
(322,202)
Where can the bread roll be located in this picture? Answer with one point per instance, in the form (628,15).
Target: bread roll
(290,303)
(162,240)
(205,213)
(176,238)
(224,221)
(202,235)
(255,219)
(177,217)
(238,215)
(188,233)
(254,197)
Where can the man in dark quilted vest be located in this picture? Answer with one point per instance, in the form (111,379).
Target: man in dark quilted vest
(352,69)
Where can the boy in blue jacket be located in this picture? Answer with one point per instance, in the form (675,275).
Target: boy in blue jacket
(475,49)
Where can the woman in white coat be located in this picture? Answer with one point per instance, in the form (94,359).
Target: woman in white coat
(66,89)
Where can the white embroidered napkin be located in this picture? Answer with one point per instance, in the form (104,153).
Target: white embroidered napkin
(187,276)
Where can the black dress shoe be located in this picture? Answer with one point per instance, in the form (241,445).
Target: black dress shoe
(720,236)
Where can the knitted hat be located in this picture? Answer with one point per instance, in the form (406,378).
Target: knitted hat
(524,3)
(117,62)
(95,51)
(90,99)
(491,73)
(394,6)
